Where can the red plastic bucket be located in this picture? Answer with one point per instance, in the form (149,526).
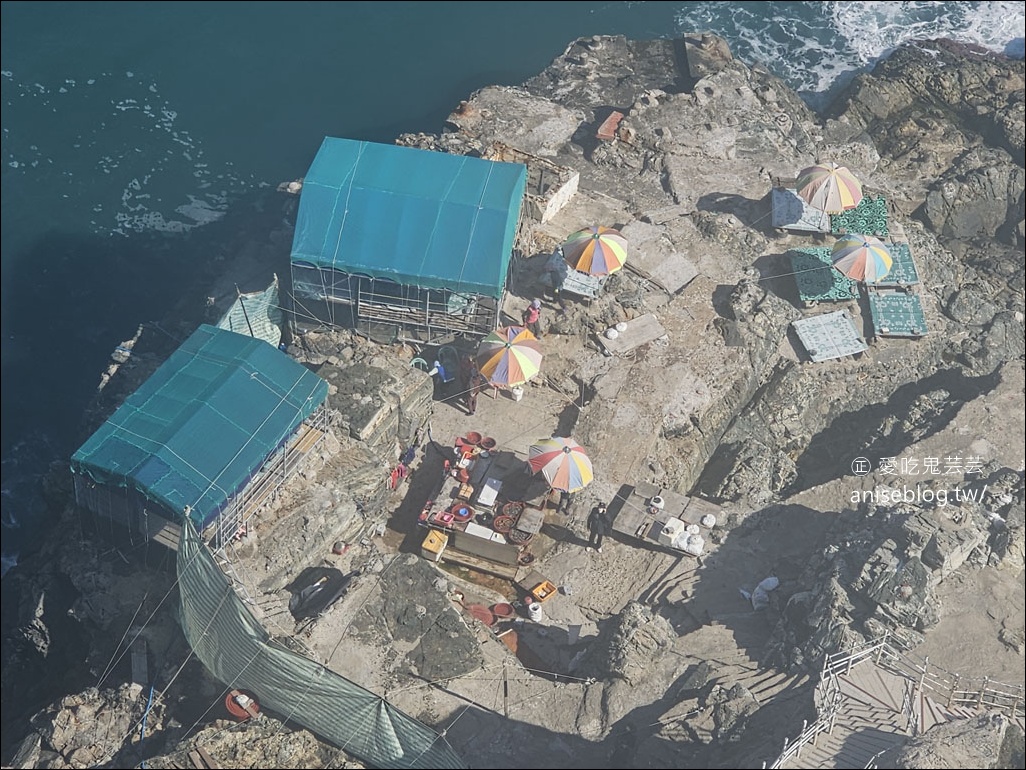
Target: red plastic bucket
(482,613)
(503,610)
(462,512)
(234,701)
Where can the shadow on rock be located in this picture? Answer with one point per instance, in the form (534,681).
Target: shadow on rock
(913,412)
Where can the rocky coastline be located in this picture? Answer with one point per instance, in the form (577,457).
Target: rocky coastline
(725,406)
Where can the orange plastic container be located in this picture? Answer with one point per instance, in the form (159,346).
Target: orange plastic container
(543,591)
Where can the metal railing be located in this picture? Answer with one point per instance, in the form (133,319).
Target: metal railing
(810,733)
(953,690)
(908,707)
(949,690)
(268,480)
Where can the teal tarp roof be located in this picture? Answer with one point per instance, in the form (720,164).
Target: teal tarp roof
(197,429)
(417,217)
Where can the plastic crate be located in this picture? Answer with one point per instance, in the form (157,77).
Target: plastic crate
(543,591)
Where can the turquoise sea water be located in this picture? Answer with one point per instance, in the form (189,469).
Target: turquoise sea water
(128,126)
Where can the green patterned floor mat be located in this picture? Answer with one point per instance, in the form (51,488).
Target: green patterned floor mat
(896,314)
(816,277)
(903,268)
(868,218)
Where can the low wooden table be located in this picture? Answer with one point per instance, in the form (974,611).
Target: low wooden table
(531,520)
(537,586)
(634,518)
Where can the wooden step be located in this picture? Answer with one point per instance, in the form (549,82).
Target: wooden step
(870,685)
(169,535)
(822,754)
(308,439)
(844,749)
(858,715)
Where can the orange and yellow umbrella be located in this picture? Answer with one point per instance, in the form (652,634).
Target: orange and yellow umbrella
(509,356)
(596,250)
(829,187)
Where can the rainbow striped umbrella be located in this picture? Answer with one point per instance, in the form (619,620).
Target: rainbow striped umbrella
(562,462)
(596,250)
(861,257)
(829,187)
(509,356)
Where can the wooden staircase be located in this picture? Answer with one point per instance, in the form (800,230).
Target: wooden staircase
(689,720)
(873,698)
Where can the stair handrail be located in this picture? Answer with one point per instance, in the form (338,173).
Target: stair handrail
(908,707)
(809,734)
(931,678)
(872,763)
(839,662)
(885,649)
(886,653)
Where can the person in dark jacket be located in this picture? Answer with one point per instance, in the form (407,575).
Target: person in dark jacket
(598,526)
(478,383)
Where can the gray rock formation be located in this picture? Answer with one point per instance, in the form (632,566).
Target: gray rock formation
(988,741)
(723,404)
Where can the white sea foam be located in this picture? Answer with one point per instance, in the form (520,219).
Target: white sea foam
(128,155)
(816,47)
(874,29)
(7,562)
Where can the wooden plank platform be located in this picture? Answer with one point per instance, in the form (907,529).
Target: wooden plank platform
(829,336)
(790,212)
(817,279)
(868,218)
(896,313)
(140,669)
(607,131)
(903,270)
(169,535)
(454,556)
(635,520)
(644,328)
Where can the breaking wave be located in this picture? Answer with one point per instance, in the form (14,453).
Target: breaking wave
(818,47)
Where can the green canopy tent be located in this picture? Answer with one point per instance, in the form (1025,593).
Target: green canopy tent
(196,431)
(403,235)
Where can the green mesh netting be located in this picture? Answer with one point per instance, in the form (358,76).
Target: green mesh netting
(257,314)
(237,650)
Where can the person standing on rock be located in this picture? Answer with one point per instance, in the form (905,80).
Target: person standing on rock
(598,526)
(566,500)
(478,382)
(532,318)
(467,369)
